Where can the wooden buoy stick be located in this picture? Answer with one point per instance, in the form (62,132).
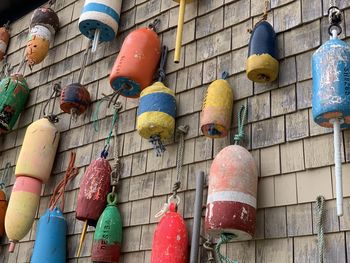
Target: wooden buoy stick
(82,238)
(180,25)
(96,39)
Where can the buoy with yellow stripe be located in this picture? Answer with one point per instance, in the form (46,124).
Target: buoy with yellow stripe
(99,20)
(4,40)
(44,24)
(215,118)
(157,111)
(262,63)
(232,193)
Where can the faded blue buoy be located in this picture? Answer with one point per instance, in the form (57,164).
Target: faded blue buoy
(50,243)
(331,83)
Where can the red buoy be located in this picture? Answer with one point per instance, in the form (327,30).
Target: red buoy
(170,241)
(93,192)
(231,205)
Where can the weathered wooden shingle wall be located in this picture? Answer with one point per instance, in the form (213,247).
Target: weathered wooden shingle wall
(295,156)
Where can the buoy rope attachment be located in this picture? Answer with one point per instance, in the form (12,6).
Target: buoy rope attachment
(224,239)
(59,190)
(163,59)
(5,175)
(83,63)
(320,200)
(242,115)
(334,18)
(154,24)
(55,93)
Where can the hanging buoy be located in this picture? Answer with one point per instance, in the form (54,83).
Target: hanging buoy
(262,64)
(14,94)
(137,62)
(107,241)
(331,92)
(4,40)
(38,151)
(157,111)
(3,200)
(44,24)
(75,99)
(99,20)
(93,192)
(215,118)
(180,25)
(50,242)
(170,241)
(20,214)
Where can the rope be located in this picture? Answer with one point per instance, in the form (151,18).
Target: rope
(58,193)
(5,174)
(239,136)
(163,59)
(117,166)
(182,131)
(320,227)
(154,25)
(224,238)
(56,92)
(264,16)
(83,64)
(334,18)
(224,75)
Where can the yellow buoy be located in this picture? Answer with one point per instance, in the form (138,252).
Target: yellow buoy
(38,150)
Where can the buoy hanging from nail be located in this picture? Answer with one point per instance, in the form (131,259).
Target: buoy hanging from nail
(44,25)
(180,24)
(262,64)
(137,62)
(14,94)
(4,40)
(215,118)
(331,92)
(3,199)
(233,182)
(99,20)
(157,111)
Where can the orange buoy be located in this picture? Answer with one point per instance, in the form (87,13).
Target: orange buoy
(137,62)
(24,202)
(4,40)
(3,200)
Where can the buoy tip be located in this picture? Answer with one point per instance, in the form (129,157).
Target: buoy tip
(176,61)
(12,247)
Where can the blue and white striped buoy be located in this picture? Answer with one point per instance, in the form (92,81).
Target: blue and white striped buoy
(99,20)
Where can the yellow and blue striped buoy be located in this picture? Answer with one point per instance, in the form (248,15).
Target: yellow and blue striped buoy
(215,119)
(262,64)
(157,110)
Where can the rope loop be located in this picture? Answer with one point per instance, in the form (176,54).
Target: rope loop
(55,93)
(5,175)
(320,213)
(112,199)
(224,239)
(224,75)
(154,24)
(239,136)
(161,71)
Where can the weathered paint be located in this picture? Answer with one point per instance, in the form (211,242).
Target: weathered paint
(38,151)
(170,241)
(75,98)
(50,240)
(103,15)
(93,191)
(23,204)
(14,94)
(156,112)
(45,17)
(331,83)
(231,204)
(3,208)
(107,241)
(37,49)
(4,41)
(215,118)
(262,64)
(136,63)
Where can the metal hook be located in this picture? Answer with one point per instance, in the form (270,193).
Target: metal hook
(154,24)
(56,93)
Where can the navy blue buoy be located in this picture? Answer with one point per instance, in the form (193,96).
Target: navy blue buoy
(50,243)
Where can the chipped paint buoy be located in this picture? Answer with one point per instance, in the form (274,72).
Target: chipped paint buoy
(14,94)
(38,151)
(170,240)
(50,240)
(23,204)
(215,118)
(75,99)
(136,63)
(99,20)
(262,64)
(231,204)
(3,208)
(107,241)
(4,40)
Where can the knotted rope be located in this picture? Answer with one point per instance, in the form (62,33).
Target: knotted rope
(224,238)
(59,191)
(242,114)
(320,227)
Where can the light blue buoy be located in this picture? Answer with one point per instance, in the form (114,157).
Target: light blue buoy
(50,244)
(331,83)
